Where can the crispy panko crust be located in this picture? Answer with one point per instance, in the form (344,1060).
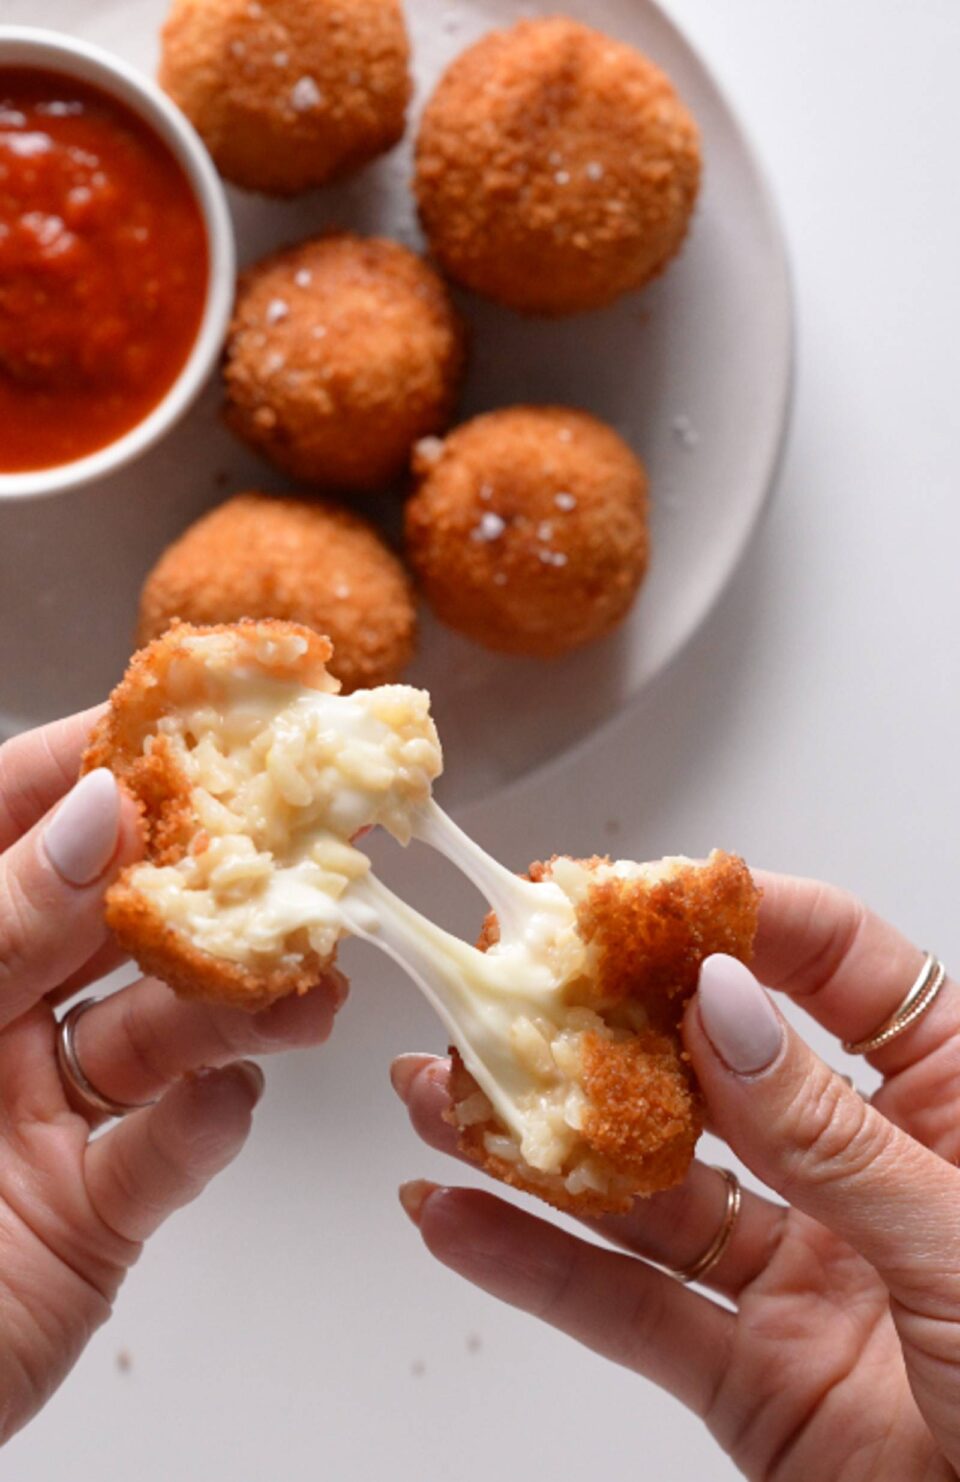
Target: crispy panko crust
(528,531)
(649,942)
(343,351)
(291,93)
(259,556)
(160,790)
(556,168)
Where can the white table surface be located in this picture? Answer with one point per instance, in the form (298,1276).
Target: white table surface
(290,1324)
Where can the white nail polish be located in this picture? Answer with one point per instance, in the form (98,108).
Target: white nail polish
(738,1017)
(81,838)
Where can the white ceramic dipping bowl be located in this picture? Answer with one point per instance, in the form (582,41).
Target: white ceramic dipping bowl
(23,46)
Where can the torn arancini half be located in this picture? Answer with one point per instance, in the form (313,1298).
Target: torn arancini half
(612,1111)
(253,776)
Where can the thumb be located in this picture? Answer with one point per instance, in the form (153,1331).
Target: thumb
(52,883)
(802,1130)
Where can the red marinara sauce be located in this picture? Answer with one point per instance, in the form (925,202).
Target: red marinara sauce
(103,269)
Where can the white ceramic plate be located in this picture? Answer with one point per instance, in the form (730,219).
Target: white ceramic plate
(695,372)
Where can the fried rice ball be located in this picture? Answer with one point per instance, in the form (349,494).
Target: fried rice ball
(528,529)
(288,94)
(342,353)
(556,169)
(254,777)
(140,740)
(647,928)
(260,556)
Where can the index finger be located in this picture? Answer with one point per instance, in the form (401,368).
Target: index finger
(846,966)
(37,768)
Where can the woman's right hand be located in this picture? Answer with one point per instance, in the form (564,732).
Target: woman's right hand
(841,1358)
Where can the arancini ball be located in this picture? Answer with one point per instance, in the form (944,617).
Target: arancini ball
(343,352)
(556,168)
(528,530)
(288,94)
(260,556)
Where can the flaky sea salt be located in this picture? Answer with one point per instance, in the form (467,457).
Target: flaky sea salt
(305,95)
(277,310)
(491,527)
(281,58)
(564,501)
(545,531)
(303,277)
(595,170)
(562,177)
(684,431)
(430,449)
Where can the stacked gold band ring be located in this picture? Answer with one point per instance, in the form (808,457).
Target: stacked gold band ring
(921,996)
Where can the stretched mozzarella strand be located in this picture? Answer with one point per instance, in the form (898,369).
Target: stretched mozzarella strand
(481,997)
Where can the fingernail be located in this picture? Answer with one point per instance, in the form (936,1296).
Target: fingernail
(737,1016)
(414,1195)
(81,838)
(404,1071)
(253,1076)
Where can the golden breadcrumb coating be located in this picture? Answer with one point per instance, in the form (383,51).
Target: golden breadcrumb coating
(257,556)
(342,353)
(649,937)
(150,689)
(528,530)
(288,94)
(556,168)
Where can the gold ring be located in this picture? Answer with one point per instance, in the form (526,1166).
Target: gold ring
(698,1269)
(921,996)
(81,1092)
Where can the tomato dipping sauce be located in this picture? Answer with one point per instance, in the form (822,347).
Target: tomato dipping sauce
(103,269)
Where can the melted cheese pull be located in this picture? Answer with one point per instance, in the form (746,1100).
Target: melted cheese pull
(283,782)
(512,1010)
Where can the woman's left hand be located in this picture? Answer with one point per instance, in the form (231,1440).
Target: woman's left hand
(74,1213)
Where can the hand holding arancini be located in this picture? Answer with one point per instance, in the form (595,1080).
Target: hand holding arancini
(831,1351)
(344,350)
(77,1210)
